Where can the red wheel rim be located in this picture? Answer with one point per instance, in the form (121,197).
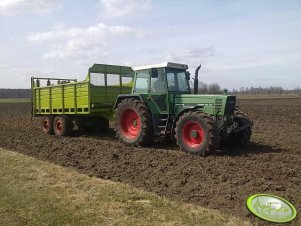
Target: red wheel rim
(193,134)
(130,123)
(45,125)
(58,126)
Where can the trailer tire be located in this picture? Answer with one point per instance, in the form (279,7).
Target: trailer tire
(62,125)
(47,125)
(196,133)
(133,123)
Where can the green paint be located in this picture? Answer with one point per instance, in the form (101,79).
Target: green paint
(271,208)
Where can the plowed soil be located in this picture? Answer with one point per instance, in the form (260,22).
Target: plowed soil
(223,181)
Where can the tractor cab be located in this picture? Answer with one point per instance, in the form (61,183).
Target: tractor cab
(166,77)
(158,85)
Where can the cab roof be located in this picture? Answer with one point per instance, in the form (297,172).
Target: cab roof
(165,64)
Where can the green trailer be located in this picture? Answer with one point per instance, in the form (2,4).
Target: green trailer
(87,103)
(146,104)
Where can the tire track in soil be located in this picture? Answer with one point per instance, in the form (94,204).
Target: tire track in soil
(271,164)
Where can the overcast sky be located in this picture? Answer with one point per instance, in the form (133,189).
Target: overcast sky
(239,43)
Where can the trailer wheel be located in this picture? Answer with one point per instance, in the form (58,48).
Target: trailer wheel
(241,139)
(133,123)
(62,126)
(47,125)
(196,133)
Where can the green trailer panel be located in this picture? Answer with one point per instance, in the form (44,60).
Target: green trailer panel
(81,98)
(61,99)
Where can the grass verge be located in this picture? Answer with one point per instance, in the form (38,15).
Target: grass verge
(34,192)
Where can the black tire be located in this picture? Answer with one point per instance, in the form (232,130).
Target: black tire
(241,139)
(245,136)
(47,125)
(133,123)
(196,133)
(62,126)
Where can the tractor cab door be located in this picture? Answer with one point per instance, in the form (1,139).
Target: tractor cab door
(151,84)
(158,90)
(158,98)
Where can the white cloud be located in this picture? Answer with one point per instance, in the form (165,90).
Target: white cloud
(119,8)
(90,41)
(37,7)
(192,54)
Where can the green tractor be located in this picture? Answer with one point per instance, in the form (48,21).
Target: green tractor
(161,104)
(146,104)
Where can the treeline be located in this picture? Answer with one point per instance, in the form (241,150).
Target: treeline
(212,88)
(15,93)
(272,90)
(215,88)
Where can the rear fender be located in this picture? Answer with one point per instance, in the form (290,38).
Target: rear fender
(126,96)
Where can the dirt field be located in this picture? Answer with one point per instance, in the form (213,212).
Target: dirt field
(271,164)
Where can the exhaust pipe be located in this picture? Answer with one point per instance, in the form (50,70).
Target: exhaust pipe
(196,80)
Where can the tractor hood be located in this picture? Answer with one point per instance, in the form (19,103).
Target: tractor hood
(211,104)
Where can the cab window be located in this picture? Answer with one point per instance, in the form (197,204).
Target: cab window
(177,80)
(142,81)
(157,82)
(171,81)
(182,82)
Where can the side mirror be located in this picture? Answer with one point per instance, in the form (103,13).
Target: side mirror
(187,75)
(154,73)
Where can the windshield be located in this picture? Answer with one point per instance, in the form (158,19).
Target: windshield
(177,81)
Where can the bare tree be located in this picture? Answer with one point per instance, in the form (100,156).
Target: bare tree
(203,88)
(214,88)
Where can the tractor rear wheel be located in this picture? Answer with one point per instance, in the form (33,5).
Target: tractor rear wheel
(47,125)
(133,123)
(242,138)
(62,126)
(196,133)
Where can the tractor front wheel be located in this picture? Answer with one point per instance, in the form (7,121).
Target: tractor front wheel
(196,134)
(242,138)
(133,123)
